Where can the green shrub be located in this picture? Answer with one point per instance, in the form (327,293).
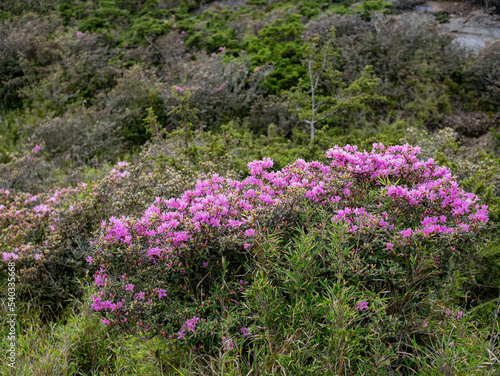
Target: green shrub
(483,75)
(279,42)
(128,101)
(306,322)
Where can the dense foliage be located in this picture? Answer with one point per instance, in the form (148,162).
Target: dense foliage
(162,162)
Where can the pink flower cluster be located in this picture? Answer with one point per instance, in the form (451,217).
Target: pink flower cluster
(99,305)
(189,326)
(448,209)
(23,215)
(119,172)
(358,217)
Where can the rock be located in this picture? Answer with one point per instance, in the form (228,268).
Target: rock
(470,27)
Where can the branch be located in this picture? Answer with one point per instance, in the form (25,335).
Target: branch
(318,106)
(328,114)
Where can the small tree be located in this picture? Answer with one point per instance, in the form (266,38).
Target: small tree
(323,93)
(185,116)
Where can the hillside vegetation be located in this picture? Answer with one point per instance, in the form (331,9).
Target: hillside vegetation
(246,188)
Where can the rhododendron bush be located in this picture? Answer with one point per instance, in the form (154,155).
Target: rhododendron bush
(186,262)
(48,235)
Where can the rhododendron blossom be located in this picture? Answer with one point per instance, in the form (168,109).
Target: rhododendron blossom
(361,306)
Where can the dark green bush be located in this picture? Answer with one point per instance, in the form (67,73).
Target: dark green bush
(279,43)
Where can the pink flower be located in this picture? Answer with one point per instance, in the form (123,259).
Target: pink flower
(204,264)
(181,334)
(234,223)
(98,280)
(105,321)
(464,227)
(362,305)
(89,260)
(245,331)
(425,325)
(190,324)
(161,293)
(154,251)
(130,287)
(459,314)
(140,295)
(257,167)
(389,246)
(407,233)
(166,21)
(181,236)
(179,89)
(250,232)
(40,208)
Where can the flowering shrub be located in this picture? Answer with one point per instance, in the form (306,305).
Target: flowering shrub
(47,235)
(181,266)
